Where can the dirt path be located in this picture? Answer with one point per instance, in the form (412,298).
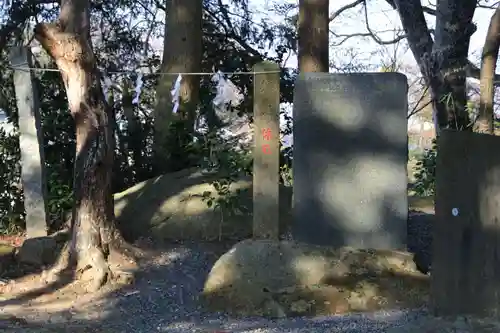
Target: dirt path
(163,299)
(164,292)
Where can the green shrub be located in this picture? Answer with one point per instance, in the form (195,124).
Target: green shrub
(425,172)
(60,197)
(11,193)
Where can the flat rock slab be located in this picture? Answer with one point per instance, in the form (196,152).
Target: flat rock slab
(285,279)
(350,159)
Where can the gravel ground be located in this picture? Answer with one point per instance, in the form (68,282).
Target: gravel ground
(163,299)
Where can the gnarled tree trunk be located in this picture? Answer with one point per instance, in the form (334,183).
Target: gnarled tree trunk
(485,122)
(67,41)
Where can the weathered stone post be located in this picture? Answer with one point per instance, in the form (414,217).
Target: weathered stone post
(31,145)
(349,159)
(466,242)
(266,151)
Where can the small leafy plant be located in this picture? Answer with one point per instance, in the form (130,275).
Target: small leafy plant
(425,172)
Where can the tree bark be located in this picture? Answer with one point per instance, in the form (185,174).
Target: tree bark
(182,53)
(454,28)
(134,132)
(313,46)
(485,122)
(442,62)
(67,42)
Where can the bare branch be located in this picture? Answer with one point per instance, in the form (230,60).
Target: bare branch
(370,33)
(493,6)
(346,37)
(418,108)
(231,33)
(429,10)
(342,9)
(374,36)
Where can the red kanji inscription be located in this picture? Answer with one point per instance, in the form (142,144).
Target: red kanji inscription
(266,134)
(266,149)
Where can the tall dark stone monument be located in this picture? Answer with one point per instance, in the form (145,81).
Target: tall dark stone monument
(466,238)
(349,159)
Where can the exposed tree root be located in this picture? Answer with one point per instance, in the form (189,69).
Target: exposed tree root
(93,271)
(97,269)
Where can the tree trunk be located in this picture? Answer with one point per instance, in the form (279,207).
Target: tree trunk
(443,63)
(134,131)
(181,54)
(67,42)
(449,61)
(485,122)
(313,33)
(119,175)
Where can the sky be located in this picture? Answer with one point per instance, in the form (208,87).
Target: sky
(382,19)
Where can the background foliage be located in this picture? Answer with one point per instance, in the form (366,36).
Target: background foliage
(231,43)
(125,39)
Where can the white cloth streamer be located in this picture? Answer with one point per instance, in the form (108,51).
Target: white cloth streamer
(175,92)
(227,92)
(138,88)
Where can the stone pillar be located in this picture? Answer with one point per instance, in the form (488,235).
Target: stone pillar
(349,159)
(266,151)
(31,145)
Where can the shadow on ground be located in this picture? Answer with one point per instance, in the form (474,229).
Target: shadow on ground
(165,292)
(163,299)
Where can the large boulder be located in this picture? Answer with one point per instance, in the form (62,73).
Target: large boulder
(281,279)
(171,207)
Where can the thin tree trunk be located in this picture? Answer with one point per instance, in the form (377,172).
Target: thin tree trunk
(313,34)
(485,122)
(67,42)
(135,138)
(119,176)
(181,54)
